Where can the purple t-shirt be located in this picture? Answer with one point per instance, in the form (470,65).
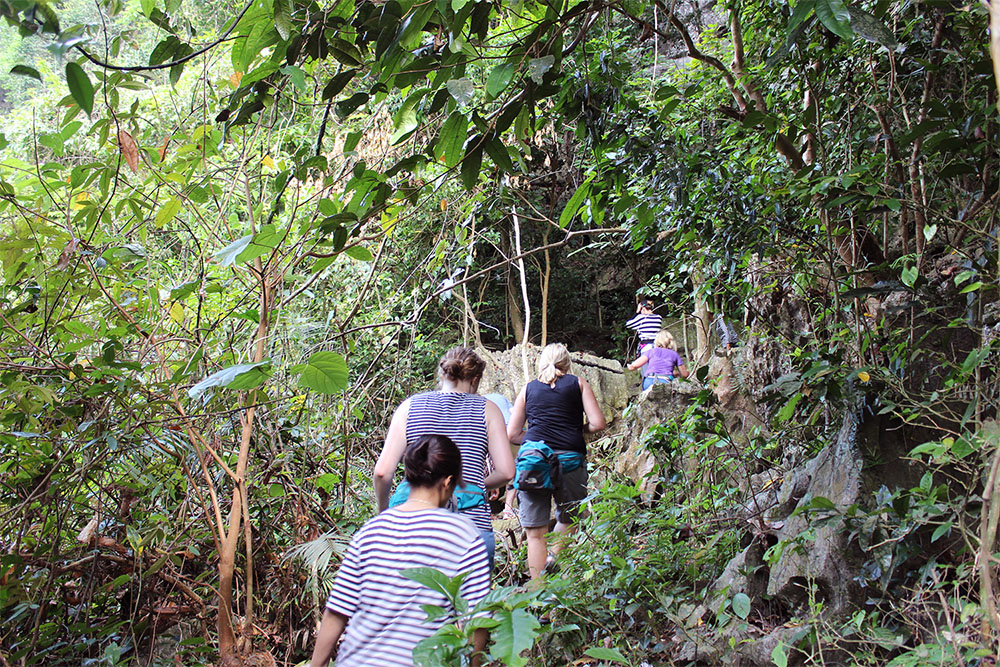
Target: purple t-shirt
(663,361)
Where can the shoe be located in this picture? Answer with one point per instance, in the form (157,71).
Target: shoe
(550,564)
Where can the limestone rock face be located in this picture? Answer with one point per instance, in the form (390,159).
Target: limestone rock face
(835,474)
(660,404)
(611,383)
(819,570)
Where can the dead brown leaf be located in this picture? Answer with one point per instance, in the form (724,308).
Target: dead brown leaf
(163,148)
(129,149)
(67,255)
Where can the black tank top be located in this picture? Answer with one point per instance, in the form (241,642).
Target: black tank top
(555,414)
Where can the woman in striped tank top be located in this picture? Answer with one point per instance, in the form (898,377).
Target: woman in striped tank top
(475,424)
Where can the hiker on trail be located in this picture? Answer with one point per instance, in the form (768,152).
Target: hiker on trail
(382,610)
(663,359)
(646,324)
(554,406)
(472,422)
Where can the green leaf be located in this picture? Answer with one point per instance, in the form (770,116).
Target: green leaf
(24,70)
(167,212)
(147,7)
(741,605)
(282,18)
(239,377)
(834,15)
(441,583)
(909,276)
(778,655)
(472,163)
(360,253)
(262,243)
(821,503)
(325,372)
(345,108)
(80,87)
(802,10)
(940,531)
(871,29)
(498,152)
(338,83)
(451,140)
(516,633)
(296,75)
(499,79)
(608,654)
(574,203)
(228,255)
(788,409)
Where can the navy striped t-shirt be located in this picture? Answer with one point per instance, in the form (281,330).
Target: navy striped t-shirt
(647,326)
(386,619)
(461,417)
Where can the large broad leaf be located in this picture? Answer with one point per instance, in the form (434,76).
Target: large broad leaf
(24,70)
(574,203)
(437,581)
(803,8)
(499,79)
(472,162)
(608,654)
(325,372)
(834,15)
(741,605)
(282,18)
(228,255)
(871,29)
(239,377)
(516,633)
(80,87)
(338,83)
(167,212)
(451,140)
(262,243)
(360,253)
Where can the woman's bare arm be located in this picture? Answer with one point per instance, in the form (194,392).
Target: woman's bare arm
(499,448)
(515,427)
(392,453)
(595,418)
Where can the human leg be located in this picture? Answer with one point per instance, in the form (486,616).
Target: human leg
(570,494)
(534,509)
(538,549)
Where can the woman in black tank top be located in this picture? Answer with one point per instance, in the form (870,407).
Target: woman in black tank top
(554,406)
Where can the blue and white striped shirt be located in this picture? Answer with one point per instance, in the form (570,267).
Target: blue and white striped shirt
(461,417)
(386,619)
(647,326)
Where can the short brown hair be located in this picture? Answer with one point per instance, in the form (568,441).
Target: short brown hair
(461,363)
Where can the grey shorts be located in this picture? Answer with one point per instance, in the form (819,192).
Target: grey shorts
(535,507)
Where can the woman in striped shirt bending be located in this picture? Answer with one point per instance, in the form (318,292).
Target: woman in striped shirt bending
(475,424)
(382,610)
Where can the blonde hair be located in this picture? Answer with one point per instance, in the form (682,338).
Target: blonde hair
(665,339)
(553,363)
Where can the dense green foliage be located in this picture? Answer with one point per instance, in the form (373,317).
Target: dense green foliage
(235,237)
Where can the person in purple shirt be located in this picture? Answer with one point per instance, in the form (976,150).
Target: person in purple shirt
(664,362)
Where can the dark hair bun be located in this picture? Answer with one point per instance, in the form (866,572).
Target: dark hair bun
(430,459)
(461,363)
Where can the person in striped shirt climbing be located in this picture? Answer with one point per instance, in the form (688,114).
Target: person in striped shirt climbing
(475,424)
(646,325)
(378,611)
